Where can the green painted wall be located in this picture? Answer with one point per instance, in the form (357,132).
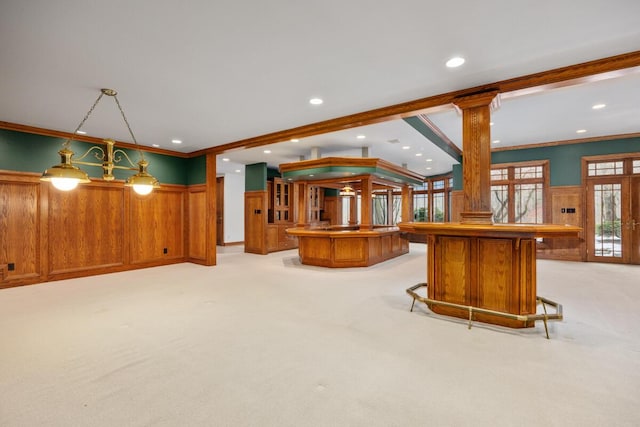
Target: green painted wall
(565,161)
(197,170)
(26,152)
(457,177)
(255,177)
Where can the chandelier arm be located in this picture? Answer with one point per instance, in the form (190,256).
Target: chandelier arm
(128,127)
(67,143)
(95,147)
(119,151)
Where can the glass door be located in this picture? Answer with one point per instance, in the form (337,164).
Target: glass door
(613,219)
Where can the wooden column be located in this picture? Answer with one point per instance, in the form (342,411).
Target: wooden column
(407,203)
(303,208)
(476,149)
(210,228)
(366,214)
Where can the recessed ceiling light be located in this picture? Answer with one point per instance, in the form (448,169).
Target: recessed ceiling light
(581,131)
(599,106)
(176,141)
(428,168)
(311,175)
(454,62)
(418,154)
(238,171)
(156,145)
(294,140)
(361,137)
(315,101)
(225,159)
(490,123)
(429,160)
(81,132)
(496,141)
(267,151)
(406,147)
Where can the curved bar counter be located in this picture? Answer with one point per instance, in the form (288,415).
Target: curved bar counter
(345,246)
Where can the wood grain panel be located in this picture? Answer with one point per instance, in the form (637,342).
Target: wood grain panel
(495,274)
(157,222)
(452,259)
(19,237)
(197,224)
(255,221)
(350,250)
(562,198)
(86,228)
(315,248)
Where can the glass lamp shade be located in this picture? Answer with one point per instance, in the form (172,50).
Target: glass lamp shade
(143,190)
(64,184)
(143,182)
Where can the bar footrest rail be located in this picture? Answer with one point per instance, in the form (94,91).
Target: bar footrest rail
(545,316)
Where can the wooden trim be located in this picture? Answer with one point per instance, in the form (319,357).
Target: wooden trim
(370,162)
(211,209)
(435,129)
(569,142)
(86,138)
(573,74)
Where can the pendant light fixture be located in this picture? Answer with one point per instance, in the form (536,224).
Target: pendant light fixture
(65,176)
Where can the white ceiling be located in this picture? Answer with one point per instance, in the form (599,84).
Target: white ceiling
(213,72)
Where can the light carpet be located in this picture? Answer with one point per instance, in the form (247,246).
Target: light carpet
(265,341)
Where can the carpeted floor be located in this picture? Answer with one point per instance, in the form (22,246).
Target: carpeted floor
(265,341)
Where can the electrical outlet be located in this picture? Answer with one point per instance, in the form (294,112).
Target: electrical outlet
(11,266)
(165,250)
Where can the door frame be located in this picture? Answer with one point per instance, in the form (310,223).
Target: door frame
(630,237)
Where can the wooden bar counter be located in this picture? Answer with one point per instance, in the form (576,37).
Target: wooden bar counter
(489,266)
(349,246)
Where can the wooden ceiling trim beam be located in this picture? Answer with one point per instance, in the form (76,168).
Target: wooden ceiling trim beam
(545,79)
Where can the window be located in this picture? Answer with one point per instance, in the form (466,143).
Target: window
(432,201)
(605,168)
(517,193)
(636,166)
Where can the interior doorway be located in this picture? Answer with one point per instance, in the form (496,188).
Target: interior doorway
(613,210)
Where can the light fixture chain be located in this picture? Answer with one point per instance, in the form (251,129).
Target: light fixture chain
(68,141)
(128,126)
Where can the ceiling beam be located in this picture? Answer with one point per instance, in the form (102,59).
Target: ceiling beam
(573,74)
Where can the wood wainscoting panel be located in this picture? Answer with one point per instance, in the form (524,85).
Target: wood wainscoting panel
(19,231)
(157,226)
(86,228)
(567,198)
(495,274)
(197,200)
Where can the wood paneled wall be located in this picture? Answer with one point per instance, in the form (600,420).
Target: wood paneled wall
(197,241)
(565,249)
(98,228)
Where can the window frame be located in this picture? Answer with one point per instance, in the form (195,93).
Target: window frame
(511,182)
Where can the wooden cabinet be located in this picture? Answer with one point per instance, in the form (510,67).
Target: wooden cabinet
(316,201)
(281,201)
(267,215)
